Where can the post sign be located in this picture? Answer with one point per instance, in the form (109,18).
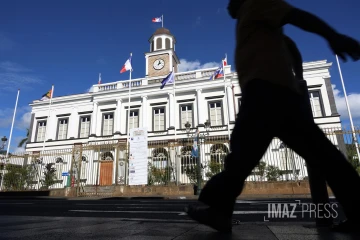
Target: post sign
(65,174)
(138,159)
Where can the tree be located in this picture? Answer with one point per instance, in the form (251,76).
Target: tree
(49,176)
(260,169)
(24,140)
(273,173)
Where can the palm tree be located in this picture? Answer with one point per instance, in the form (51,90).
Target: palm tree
(24,140)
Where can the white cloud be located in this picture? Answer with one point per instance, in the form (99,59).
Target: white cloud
(14,76)
(354,103)
(24,121)
(194,65)
(18,149)
(22,118)
(8,66)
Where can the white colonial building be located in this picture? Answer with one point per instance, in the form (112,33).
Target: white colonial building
(102,115)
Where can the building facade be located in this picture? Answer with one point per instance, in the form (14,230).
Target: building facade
(105,114)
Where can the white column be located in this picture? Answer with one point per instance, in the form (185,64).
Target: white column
(199,107)
(51,126)
(147,65)
(117,123)
(93,119)
(171,62)
(171,111)
(230,101)
(73,131)
(144,111)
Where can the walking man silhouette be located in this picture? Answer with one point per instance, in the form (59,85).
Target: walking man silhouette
(272,106)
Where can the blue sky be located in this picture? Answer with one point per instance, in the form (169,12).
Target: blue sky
(68,43)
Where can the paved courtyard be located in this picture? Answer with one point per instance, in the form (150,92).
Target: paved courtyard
(27,227)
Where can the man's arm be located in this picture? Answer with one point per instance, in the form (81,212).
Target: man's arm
(340,44)
(310,23)
(296,58)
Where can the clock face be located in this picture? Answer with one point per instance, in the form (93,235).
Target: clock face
(159,64)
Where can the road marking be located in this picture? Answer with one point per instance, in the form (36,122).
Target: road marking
(162,212)
(172,212)
(140,207)
(266,203)
(250,212)
(16,203)
(125,204)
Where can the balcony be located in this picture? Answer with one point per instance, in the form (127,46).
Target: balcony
(183,76)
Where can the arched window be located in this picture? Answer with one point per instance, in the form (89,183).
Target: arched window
(160,157)
(167,43)
(159,43)
(152,45)
(218,152)
(60,167)
(107,156)
(186,159)
(84,163)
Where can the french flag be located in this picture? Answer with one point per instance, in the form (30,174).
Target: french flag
(225,61)
(158,19)
(127,66)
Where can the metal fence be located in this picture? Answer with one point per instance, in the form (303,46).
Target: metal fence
(169,162)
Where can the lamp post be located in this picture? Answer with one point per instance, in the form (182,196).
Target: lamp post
(3,142)
(2,147)
(199,138)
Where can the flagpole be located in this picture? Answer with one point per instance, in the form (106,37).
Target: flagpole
(349,112)
(162,21)
(174,92)
(9,143)
(227,101)
(129,100)
(47,123)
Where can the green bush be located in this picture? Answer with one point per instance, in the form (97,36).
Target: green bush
(158,175)
(192,172)
(17,178)
(272,173)
(215,168)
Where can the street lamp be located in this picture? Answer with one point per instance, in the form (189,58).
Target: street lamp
(199,138)
(3,142)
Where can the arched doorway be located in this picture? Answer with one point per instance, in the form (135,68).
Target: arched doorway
(106,169)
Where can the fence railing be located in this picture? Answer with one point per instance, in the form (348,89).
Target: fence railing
(169,162)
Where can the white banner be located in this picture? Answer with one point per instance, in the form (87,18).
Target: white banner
(138,160)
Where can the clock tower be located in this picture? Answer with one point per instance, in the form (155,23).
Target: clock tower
(162,57)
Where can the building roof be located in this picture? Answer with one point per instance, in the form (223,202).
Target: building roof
(160,31)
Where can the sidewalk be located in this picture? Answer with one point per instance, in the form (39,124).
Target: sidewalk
(71,228)
(28,195)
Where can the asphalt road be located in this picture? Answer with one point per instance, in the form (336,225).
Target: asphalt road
(127,219)
(268,210)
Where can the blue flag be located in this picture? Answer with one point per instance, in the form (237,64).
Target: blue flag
(218,73)
(169,79)
(195,150)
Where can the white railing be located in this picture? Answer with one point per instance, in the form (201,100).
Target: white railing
(195,74)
